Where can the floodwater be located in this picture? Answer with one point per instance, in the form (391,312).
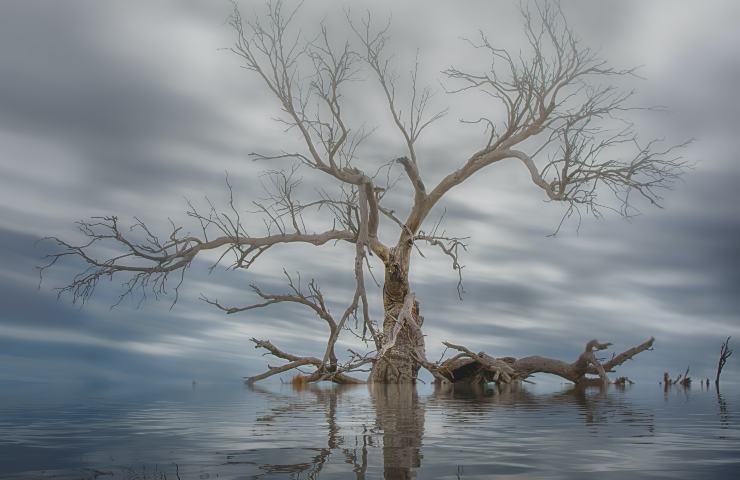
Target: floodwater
(273,431)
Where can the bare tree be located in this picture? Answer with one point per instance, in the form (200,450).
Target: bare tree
(564,122)
(724,353)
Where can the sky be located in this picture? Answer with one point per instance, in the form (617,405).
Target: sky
(129,108)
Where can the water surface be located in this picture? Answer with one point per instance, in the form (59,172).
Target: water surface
(273,431)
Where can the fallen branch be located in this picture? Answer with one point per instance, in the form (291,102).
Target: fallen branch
(275,370)
(480,367)
(498,367)
(324,371)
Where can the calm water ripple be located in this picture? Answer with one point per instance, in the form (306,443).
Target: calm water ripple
(370,433)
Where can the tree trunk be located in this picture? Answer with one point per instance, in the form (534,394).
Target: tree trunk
(403,342)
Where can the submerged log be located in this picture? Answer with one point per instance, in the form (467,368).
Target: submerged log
(470,367)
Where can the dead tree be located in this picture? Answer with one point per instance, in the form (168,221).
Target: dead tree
(470,367)
(683,379)
(563,122)
(724,354)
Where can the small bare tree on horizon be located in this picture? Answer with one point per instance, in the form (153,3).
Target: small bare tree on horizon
(564,123)
(724,354)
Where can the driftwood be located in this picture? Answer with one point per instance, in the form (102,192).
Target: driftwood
(470,367)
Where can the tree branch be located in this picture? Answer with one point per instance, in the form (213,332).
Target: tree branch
(150,261)
(472,367)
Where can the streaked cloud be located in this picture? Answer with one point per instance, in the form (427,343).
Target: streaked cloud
(126,108)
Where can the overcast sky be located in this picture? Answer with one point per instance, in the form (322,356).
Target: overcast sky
(127,108)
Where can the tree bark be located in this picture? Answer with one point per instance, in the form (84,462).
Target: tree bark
(403,342)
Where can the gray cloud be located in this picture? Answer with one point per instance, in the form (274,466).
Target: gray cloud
(126,108)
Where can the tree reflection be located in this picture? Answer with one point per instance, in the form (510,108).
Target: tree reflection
(354,449)
(391,437)
(724,416)
(400,416)
(593,402)
(398,427)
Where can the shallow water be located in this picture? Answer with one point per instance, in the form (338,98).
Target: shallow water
(272,431)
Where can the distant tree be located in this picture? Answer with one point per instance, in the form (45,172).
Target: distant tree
(563,122)
(724,353)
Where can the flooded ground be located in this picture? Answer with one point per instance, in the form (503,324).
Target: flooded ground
(272,431)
